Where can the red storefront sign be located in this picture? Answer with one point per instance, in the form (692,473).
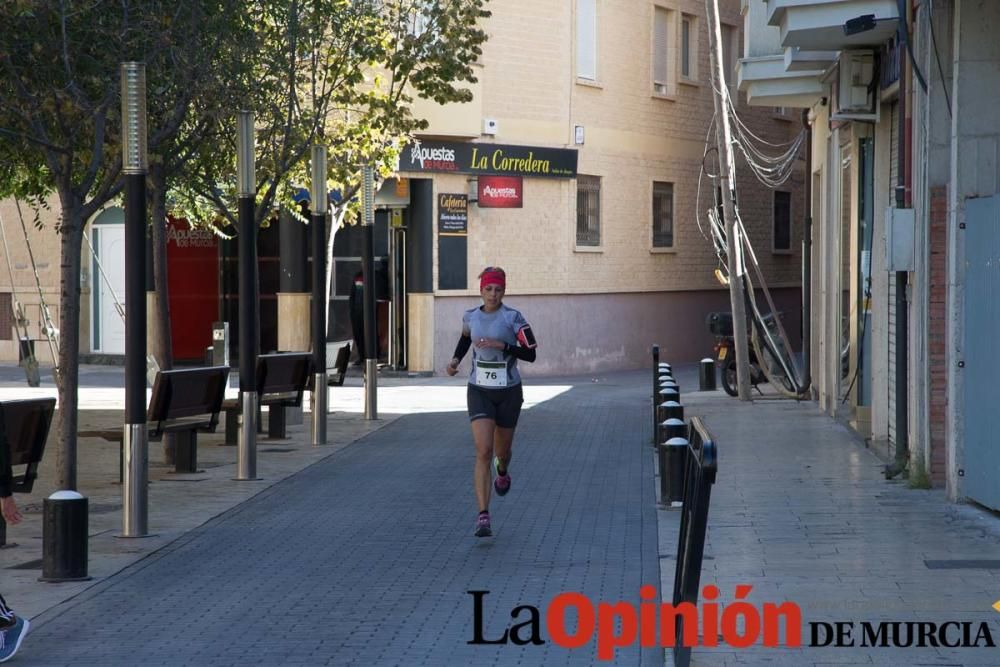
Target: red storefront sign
(501,192)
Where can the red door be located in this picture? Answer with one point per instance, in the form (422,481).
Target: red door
(193,276)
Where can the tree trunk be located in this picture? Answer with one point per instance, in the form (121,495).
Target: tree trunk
(163,341)
(68,377)
(338,219)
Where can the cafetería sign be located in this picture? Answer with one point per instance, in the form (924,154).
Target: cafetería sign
(453,214)
(500,159)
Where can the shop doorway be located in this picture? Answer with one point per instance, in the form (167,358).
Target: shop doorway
(108,293)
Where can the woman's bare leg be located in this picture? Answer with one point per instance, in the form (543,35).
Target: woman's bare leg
(503,442)
(482,434)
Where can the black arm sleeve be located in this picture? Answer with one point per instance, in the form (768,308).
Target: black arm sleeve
(464,343)
(522,353)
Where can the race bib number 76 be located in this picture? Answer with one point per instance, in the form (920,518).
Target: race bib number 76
(491,373)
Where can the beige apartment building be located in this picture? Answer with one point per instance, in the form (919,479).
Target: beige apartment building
(576,168)
(593,114)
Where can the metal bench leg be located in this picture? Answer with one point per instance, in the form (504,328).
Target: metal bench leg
(232,426)
(186,456)
(276,425)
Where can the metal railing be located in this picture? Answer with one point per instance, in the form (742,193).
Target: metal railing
(699,476)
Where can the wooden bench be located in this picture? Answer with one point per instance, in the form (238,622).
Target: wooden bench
(24,428)
(281,379)
(185,401)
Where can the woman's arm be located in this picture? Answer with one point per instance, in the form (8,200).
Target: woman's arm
(464,343)
(522,353)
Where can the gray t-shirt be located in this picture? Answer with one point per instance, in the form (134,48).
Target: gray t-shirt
(502,324)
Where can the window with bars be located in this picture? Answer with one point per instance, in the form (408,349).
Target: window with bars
(663,215)
(782,221)
(6,316)
(588,210)
(586,39)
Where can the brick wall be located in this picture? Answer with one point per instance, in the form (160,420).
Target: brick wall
(937,341)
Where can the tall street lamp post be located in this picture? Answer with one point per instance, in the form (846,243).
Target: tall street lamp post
(246,455)
(318,203)
(368,268)
(135,476)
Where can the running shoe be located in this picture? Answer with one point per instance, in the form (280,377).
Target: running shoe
(11,638)
(501,483)
(483,525)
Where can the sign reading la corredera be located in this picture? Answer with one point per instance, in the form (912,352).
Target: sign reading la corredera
(471,158)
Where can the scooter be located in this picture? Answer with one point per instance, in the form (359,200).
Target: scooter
(721,325)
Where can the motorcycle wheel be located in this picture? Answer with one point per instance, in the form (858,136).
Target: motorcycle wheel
(729,383)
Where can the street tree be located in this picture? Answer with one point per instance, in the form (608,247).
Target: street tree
(60,120)
(341,73)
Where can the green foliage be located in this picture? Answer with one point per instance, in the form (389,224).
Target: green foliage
(919,477)
(342,73)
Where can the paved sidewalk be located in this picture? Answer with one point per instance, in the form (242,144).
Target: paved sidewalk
(802,512)
(367,557)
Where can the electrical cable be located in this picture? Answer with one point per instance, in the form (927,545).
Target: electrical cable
(50,329)
(937,56)
(20,319)
(904,30)
(867,300)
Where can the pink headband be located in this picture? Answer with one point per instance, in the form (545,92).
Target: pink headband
(492,278)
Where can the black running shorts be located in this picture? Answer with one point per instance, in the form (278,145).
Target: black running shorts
(501,405)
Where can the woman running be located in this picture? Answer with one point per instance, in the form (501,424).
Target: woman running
(500,337)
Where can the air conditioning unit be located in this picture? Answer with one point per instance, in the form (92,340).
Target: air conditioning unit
(856,87)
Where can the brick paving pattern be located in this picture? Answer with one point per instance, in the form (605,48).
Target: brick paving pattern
(366,558)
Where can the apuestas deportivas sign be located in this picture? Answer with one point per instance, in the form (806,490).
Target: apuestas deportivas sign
(500,191)
(500,159)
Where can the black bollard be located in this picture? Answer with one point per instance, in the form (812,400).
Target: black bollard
(677,452)
(676,387)
(674,427)
(706,375)
(662,453)
(670,410)
(64,537)
(670,394)
(656,366)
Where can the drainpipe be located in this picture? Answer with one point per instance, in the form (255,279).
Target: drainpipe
(899,465)
(807,264)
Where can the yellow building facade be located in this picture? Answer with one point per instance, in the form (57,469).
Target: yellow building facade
(610,257)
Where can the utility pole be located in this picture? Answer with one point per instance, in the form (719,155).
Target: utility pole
(727,176)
